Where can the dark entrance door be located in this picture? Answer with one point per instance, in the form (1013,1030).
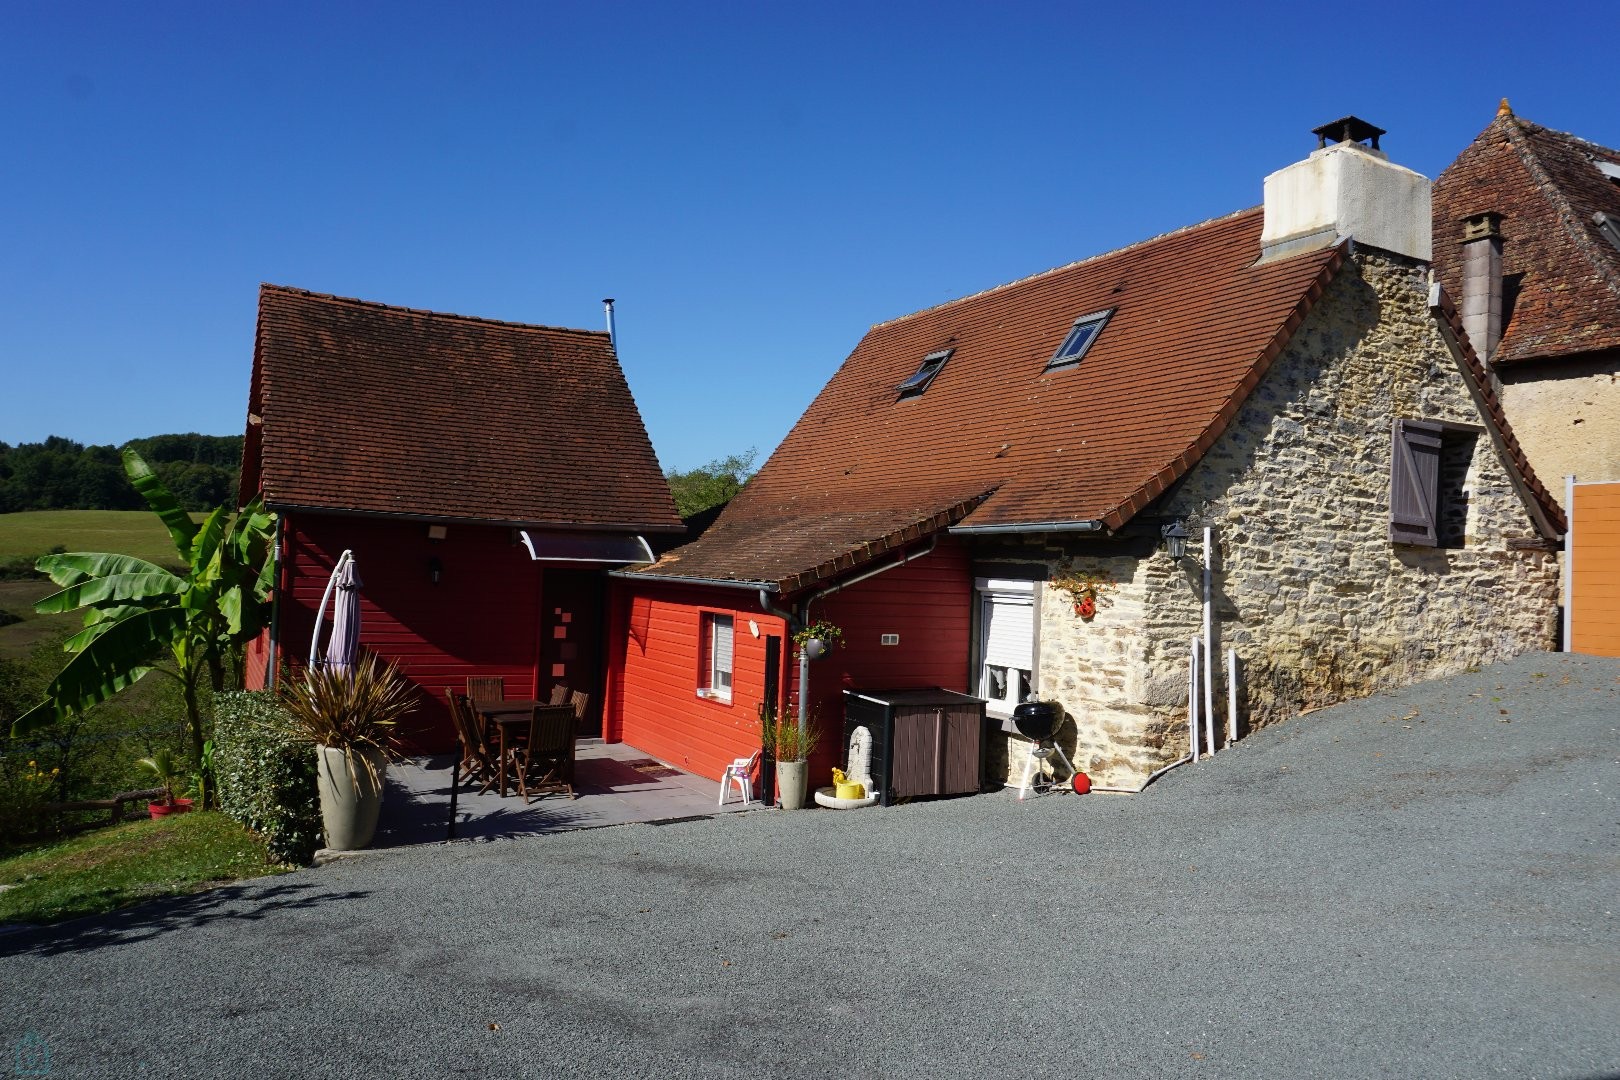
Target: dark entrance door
(571,639)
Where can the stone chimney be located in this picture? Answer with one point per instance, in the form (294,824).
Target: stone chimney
(1349,189)
(1481,301)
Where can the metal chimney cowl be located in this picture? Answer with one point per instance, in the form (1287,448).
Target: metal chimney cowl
(1347,189)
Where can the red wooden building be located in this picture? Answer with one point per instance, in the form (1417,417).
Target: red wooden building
(485,474)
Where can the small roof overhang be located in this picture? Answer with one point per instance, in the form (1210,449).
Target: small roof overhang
(548,545)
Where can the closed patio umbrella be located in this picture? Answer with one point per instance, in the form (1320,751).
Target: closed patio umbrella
(343,589)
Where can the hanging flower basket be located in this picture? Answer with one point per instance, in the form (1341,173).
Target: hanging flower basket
(818,639)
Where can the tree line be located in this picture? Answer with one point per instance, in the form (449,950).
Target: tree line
(61,474)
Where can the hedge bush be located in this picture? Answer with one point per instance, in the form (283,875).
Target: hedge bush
(266,777)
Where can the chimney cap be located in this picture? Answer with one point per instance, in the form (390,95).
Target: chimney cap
(1347,129)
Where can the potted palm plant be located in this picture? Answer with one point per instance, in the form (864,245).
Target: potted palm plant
(791,748)
(349,716)
(163,766)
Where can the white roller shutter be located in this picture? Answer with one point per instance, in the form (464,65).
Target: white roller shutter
(1009,636)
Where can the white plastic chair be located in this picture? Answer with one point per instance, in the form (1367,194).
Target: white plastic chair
(737,772)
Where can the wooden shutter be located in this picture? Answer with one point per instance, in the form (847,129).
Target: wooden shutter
(1414,488)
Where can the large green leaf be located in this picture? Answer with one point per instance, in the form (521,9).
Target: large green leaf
(163,504)
(115,588)
(77,566)
(117,659)
(205,545)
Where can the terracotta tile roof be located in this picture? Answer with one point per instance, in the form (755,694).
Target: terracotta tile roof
(1546,186)
(358,406)
(1195,325)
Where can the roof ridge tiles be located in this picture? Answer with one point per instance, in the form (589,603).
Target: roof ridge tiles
(1070,266)
(376,305)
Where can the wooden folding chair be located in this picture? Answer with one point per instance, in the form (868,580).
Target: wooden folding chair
(559,694)
(547,753)
(486,688)
(477,756)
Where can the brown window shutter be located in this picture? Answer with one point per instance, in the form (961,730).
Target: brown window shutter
(1414,486)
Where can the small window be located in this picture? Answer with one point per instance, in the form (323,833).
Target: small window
(1428,492)
(717,653)
(931,365)
(1609,226)
(1081,335)
(1006,643)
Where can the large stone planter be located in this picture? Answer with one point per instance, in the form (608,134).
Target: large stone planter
(792,778)
(351,789)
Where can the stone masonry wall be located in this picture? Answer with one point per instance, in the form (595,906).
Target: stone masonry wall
(1318,603)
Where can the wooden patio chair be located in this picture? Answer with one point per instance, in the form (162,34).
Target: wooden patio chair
(581,701)
(545,759)
(477,756)
(486,688)
(559,694)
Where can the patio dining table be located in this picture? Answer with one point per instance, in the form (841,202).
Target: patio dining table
(505,714)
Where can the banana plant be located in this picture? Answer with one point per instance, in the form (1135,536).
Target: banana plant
(135,611)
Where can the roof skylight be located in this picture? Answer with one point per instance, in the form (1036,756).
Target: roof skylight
(914,386)
(1081,336)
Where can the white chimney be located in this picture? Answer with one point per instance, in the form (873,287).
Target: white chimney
(1348,188)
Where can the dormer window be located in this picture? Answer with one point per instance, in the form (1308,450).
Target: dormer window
(1609,226)
(914,386)
(1081,335)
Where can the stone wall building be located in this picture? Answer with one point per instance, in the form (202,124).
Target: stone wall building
(985,495)
(1527,238)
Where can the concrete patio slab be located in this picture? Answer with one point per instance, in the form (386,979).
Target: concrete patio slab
(615,784)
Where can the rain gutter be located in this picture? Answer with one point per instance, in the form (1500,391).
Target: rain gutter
(1037,527)
(440,519)
(637,575)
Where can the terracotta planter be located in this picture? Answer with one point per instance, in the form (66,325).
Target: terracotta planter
(792,778)
(163,810)
(351,787)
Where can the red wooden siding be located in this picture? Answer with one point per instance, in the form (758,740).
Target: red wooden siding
(256,662)
(656,650)
(483,618)
(655,671)
(929,603)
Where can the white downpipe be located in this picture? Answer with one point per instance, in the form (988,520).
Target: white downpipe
(1209,643)
(1569,557)
(1231,696)
(1193,738)
(320,612)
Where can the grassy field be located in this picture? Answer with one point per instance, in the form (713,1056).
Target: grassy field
(115,867)
(128,532)
(34,532)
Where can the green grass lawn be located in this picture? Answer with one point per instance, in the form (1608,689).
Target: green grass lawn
(128,532)
(125,864)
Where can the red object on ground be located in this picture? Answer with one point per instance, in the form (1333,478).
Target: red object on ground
(159,810)
(1082,783)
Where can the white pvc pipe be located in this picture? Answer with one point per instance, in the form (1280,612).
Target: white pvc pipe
(1209,643)
(1193,738)
(1151,777)
(1569,558)
(1231,696)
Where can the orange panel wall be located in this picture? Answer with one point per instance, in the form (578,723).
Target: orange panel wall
(1595,570)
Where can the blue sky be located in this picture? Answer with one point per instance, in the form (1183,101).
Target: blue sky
(755,183)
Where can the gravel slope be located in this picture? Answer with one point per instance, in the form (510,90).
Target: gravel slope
(1422,884)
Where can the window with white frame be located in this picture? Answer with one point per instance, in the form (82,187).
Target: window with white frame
(717,654)
(1006,643)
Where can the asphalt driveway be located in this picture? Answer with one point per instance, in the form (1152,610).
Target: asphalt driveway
(1414,885)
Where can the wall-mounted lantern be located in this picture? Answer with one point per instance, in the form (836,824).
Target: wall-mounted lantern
(1175,537)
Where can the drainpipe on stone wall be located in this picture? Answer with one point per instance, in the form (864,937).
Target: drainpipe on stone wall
(1209,642)
(1231,696)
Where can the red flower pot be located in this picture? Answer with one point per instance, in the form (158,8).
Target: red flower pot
(159,810)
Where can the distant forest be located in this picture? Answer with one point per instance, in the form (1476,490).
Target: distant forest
(60,474)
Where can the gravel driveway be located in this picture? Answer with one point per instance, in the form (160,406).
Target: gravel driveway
(1413,885)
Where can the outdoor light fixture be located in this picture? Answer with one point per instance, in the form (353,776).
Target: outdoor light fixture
(437,532)
(1175,539)
(435,569)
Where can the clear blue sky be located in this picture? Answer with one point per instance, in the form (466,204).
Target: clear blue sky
(756,184)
